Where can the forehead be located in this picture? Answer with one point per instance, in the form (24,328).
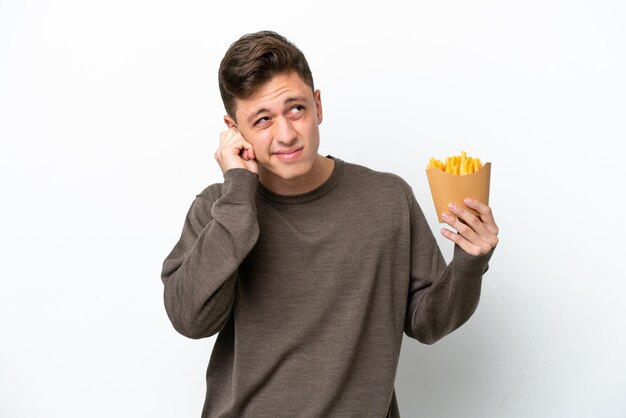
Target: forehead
(274,94)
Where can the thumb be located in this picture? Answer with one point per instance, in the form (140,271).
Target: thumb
(252,165)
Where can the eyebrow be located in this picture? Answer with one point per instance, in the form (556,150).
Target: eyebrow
(288,100)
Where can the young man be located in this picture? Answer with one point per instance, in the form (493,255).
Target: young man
(309,267)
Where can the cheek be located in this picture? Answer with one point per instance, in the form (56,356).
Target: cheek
(261,142)
(313,133)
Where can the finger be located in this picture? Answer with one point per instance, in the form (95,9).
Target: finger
(252,166)
(229,135)
(486,214)
(247,148)
(234,146)
(467,246)
(248,151)
(231,153)
(465,216)
(462,228)
(480,230)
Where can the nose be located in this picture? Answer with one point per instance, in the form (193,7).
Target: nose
(285,132)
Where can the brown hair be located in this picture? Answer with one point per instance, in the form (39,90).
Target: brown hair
(253,60)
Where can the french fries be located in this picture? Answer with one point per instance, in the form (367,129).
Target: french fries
(459,165)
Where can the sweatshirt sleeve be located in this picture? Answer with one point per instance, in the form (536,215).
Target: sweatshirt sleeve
(441,297)
(200,272)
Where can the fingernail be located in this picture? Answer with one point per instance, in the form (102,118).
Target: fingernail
(444,215)
(468,201)
(452,206)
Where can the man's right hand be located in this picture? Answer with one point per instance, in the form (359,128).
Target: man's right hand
(235,152)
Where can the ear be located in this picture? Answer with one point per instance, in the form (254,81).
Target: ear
(318,105)
(230,122)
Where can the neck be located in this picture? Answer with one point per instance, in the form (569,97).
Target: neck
(320,172)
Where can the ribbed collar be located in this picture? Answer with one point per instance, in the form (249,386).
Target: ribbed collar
(321,190)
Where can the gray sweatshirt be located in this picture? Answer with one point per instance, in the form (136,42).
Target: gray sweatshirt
(311,293)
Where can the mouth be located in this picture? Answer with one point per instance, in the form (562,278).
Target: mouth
(289,154)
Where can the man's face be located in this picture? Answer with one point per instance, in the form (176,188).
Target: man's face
(281,121)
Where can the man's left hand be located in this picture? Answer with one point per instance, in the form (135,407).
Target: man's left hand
(477,235)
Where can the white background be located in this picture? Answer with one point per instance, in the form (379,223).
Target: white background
(109,118)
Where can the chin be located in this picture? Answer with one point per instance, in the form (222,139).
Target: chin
(290,171)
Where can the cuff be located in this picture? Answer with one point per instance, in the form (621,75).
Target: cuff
(239,185)
(471,264)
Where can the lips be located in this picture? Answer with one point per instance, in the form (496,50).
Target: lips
(288,154)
